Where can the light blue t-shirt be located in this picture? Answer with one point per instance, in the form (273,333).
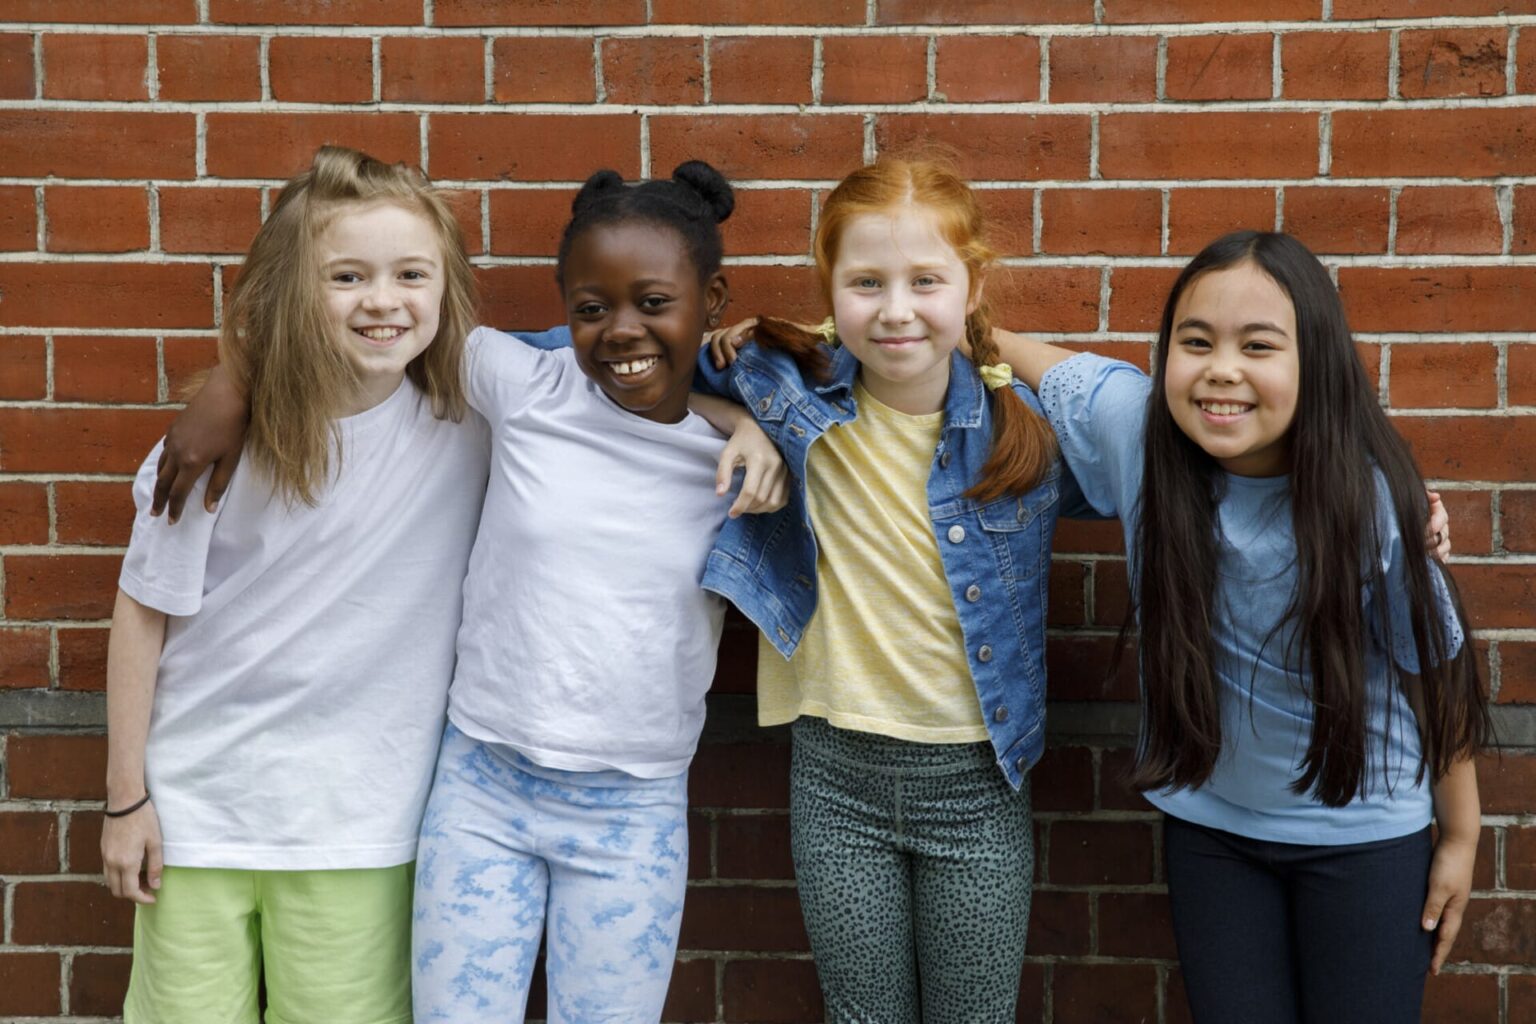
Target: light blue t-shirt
(1098,408)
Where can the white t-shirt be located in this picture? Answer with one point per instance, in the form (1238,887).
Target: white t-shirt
(587,643)
(308,651)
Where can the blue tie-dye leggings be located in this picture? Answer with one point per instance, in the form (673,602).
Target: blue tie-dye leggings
(508,844)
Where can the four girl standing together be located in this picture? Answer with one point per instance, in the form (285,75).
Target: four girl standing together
(1306,685)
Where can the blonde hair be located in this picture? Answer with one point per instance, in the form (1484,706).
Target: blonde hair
(1023,444)
(278,338)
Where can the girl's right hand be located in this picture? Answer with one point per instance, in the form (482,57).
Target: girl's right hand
(211,429)
(724,341)
(130,848)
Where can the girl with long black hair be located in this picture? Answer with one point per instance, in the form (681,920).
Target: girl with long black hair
(1310,696)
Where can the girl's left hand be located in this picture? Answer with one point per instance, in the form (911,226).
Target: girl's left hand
(723,342)
(1437,535)
(765,483)
(1450,886)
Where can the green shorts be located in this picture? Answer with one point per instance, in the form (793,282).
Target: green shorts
(334,947)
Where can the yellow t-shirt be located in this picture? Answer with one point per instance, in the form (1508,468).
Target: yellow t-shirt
(883,652)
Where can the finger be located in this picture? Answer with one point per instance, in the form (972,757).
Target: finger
(1434,905)
(725,469)
(155,866)
(717,353)
(181,488)
(162,484)
(113,885)
(1450,927)
(218,482)
(129,881)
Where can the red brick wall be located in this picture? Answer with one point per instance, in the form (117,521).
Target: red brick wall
(140,141)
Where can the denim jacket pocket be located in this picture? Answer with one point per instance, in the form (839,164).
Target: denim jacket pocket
(764,399)
(1014,526)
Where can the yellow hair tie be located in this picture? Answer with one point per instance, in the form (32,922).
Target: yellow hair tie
(828,330)
(999,375)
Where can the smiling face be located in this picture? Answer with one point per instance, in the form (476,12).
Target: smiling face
(900,296)
(1233,369)
(638,312)
(383,274)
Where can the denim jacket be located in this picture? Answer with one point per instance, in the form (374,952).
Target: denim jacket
(996,556)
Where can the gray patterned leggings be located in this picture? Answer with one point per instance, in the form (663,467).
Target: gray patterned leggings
(914,862)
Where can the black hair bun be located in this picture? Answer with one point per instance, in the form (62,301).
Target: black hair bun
(599,184)
(711,186)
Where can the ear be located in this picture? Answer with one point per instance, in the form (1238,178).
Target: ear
(716,296)
(976,289)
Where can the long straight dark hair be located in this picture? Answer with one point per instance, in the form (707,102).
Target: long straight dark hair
(1343,454)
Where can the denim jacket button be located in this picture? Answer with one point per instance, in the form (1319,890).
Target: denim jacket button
(1001,714)
(765,404)
(985,653)
(783,636)
(944,461)
(956,534)
(973,593)
(1021,766)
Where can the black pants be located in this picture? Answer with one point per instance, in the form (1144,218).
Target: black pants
(1280,933)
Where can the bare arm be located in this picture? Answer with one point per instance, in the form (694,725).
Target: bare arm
(1458,815)
(211,429)
(1029,359)
(764,484)
(131,843)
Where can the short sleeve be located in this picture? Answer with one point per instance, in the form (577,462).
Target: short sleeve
(1098,408)
(1395,554)
(502,370)
(165,564)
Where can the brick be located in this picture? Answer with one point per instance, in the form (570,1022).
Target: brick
(23,513)
(769,222)
(1522,996)
(29,984)
(1471,515)
(1497,931)
(1525,70)
(308,12)
(1115,766)
(1351,9)
(185,360)
(1520,857)
(754,847)
(987,69)
(83,658)
(760,69)
(97,219)
(272,145)
(754,12)
(80,66)
(121,12)
(1058,923)
(1498,596)
(1104,993)
(1137,297)
(551,69)
(520,298)
(98,982)
(736,664)
(740,776)
(984,12)
(1448,376)
(94,513)
(1135,924)
(1128,12)
(1067,605)
(1100,853)
(1050,298)
(17,81)
(79,143)
(1082,668)
(78,440)
(1449,219)
(70,913)
(773,991)
(1119,222)
(653,70)
(1008,147)
(1449,299)
(1199,216)
(691,994)
(762,145)
(317,69)
(1472,448)
(209,67)
(1220,67)
(743,918)
(1338,218)
(84,847)
(18,218)
(792,292)
(1111,596)
(1010,227)
(1451,62)
(1461,998)
(1517,671)
(209,220)
(528,222)
(432,70)
(1517,518)
(1222,144)
(1103,69)
(1335,65)
(529,147)
(464,204)
(106,295)
(1032,985)
(55,767)
(23,658)
(503,13)
(1521,374)
(1466,142)
(1062,780)
(874,69)
(60,586)
(29,842)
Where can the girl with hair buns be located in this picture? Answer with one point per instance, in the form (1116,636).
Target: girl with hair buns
(559,804)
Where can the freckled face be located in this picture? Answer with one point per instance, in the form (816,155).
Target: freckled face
(383,289)
(1233,369)
(900,296)
(638,312)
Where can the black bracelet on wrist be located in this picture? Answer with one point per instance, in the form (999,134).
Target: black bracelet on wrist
(127,810)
